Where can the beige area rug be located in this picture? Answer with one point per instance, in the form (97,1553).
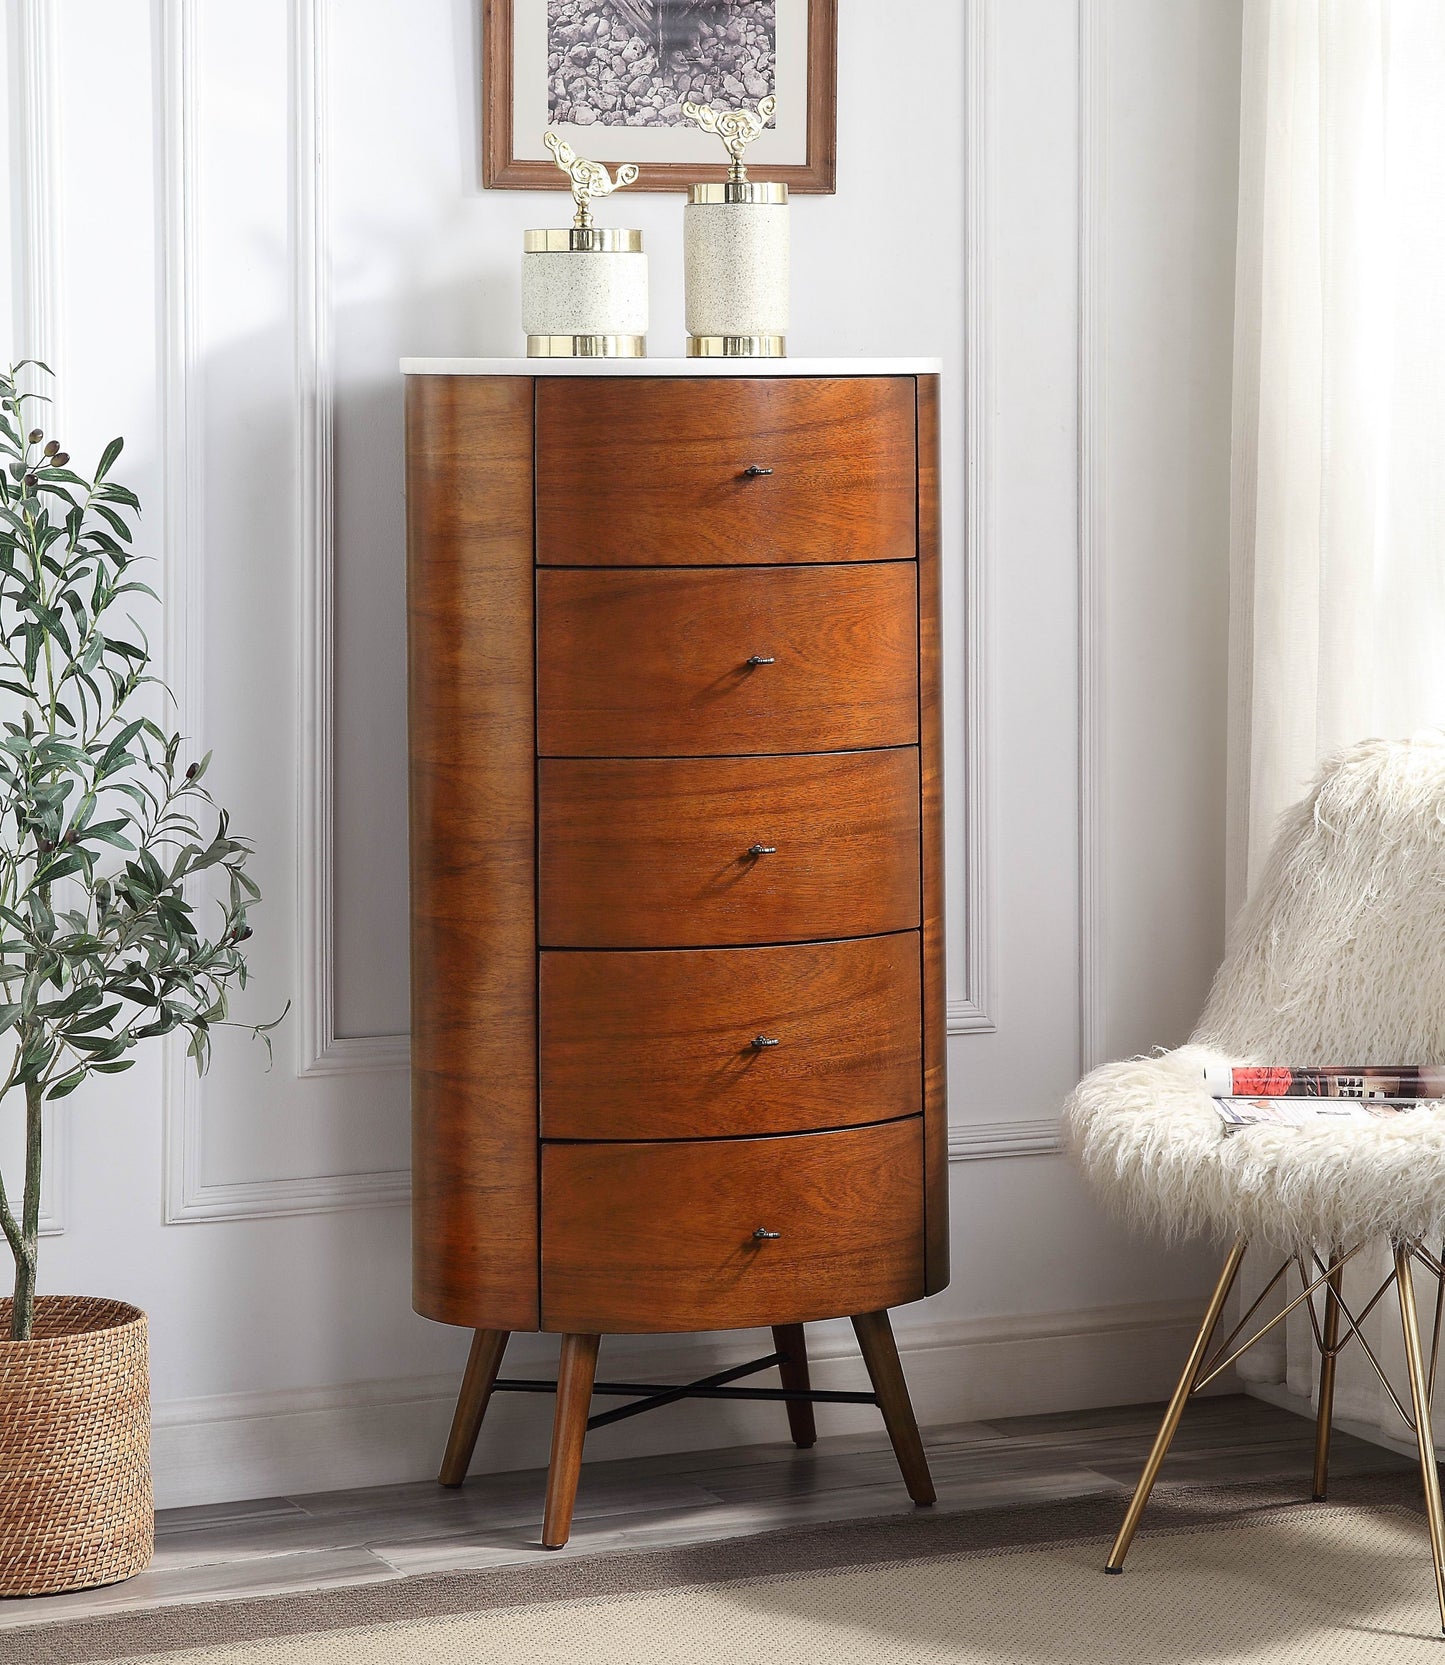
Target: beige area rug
(1225,1576)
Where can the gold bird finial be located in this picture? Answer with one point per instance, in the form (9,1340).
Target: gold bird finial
(737,128)
(589,179)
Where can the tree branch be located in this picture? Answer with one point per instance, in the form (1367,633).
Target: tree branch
(9,1224)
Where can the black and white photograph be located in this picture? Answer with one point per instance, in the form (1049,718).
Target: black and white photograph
(633,63)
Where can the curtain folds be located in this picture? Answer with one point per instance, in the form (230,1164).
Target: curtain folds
(1338,469)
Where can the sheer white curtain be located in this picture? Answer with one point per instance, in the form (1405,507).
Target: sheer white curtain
(1338,529)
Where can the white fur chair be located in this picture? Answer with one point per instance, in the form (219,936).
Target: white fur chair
(1338,958)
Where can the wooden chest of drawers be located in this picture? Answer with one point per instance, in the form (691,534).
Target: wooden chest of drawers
(677,1003)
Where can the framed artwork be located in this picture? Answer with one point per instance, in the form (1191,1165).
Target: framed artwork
(610,77)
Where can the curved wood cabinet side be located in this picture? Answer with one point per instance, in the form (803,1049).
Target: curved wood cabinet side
(930,746)
(469,607)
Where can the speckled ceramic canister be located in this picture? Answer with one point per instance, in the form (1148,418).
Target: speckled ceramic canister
(735,255)
(584,293)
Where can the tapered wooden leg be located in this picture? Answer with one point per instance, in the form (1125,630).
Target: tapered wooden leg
(880,1354)
(483,1363)
(788,1342)
(1329,1341)
(575,1375)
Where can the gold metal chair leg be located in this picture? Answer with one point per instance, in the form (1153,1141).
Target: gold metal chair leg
(1329,1341)
(1424,1434)
(1167,1429)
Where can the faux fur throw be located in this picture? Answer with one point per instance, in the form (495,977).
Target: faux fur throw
(1338,958)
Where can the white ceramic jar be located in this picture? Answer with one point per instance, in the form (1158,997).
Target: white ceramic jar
(735,257)
(584,293)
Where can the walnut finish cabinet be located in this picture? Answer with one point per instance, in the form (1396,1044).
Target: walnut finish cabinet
(676,867)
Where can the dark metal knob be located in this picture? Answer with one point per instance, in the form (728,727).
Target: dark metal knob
(762,659)
(761,1041)
(762,849)
(754,472)
(761,1236)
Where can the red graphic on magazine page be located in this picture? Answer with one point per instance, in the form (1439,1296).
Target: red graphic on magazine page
(1264,1082)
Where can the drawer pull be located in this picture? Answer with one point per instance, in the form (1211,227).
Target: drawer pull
(762,849)
(760,1042)
(754,472)
(762,659)
(761,1236)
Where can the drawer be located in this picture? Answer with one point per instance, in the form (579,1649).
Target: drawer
(661,1045)
(636,472)
(659,664)
(658,852)
(662,1237)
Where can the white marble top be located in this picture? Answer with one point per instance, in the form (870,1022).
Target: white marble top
(671,366)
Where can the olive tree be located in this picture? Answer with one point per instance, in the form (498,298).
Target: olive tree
(103,823)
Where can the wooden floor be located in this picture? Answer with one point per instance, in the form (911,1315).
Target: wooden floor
(296,1543)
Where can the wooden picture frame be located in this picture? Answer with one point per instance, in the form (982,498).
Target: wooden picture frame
(814,131)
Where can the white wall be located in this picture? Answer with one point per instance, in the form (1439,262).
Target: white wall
(1041,192)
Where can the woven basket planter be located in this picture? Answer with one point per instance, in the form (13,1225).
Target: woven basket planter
(76,1506)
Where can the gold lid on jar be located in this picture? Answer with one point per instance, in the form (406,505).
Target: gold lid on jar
(740,190)
(583,239)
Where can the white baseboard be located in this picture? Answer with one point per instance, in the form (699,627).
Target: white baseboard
(1276,1393)
(251,1445)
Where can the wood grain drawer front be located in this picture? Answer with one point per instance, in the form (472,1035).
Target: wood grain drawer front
(676,664)
(724,851)
(702,1043)
(664,1237)
(655,473)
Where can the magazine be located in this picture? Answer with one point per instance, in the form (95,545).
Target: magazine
(1237,1113)
(1358,1081)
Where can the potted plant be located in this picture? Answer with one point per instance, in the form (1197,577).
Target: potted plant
(103,826)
